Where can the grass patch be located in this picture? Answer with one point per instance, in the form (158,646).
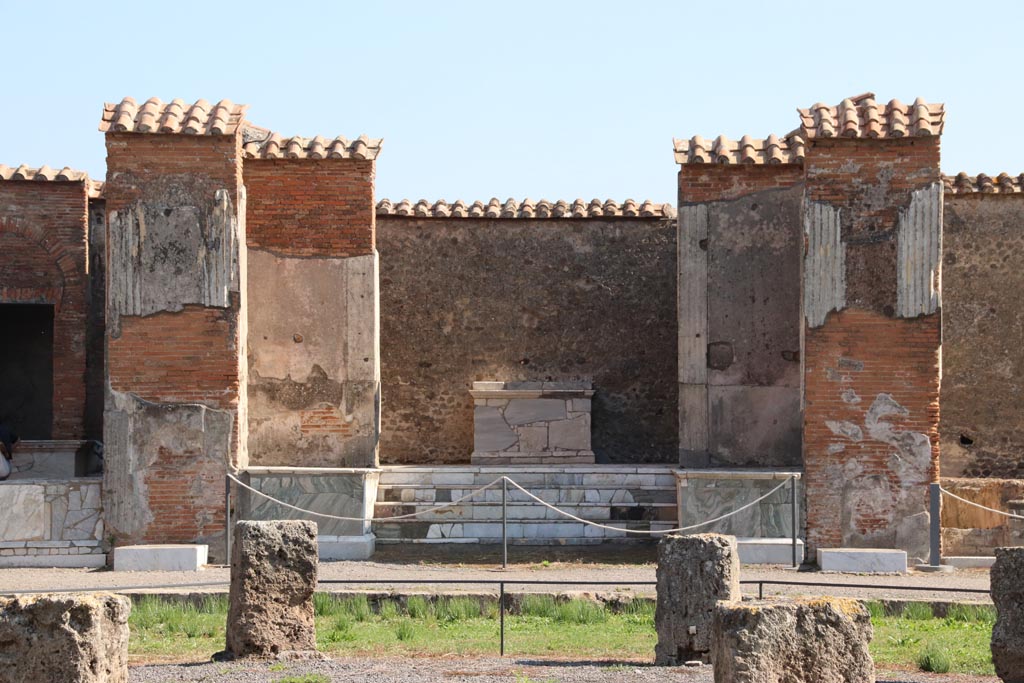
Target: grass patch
(544,627)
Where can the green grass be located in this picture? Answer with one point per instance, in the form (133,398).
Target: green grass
(544,626)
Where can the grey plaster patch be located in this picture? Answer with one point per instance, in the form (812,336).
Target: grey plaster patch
(845,429)
(824,263)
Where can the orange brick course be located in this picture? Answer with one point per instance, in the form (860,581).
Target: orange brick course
(308,207)
(716,182)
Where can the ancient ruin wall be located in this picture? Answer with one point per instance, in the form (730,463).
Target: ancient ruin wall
(982,428)
(174,416)
(314,372)
(872,218)
(466,299)
(44,242)
(739,318)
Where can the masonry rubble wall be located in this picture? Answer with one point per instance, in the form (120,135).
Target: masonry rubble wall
(44,237)
(1008,631)
(527,299)
(982,429)
(313,353)
(739,314)
(176,331)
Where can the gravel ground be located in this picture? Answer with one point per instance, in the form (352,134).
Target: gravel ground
(466,670)
(423,574)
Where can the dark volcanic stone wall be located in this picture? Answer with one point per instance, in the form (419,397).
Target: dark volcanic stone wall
(466,299)
(982,428)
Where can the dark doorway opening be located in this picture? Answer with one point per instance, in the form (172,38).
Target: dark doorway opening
(26,369)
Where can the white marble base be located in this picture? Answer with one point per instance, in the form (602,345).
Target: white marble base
(163,557)
(969,562)
(347,547)
(862,560)
(769,550)
(89,561)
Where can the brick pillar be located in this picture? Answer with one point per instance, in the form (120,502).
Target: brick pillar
(739,301)
(314,350)
(871,302)
(175,402)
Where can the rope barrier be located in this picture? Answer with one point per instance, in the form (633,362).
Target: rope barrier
(643,531)
(979,505)
(365,519)
(514,484)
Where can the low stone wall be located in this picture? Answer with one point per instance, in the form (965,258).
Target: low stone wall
(51,523)
(706,494)
(970,531)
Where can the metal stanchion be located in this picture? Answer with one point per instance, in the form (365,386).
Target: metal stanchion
(794,520)
(227,520)
(504,522)
(501,614)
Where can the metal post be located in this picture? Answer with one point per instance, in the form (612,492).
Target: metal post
(760,590)
(501,613)
(504,523)
(227,520)
(793,519)
(935,493)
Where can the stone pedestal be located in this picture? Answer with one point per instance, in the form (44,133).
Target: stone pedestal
(694,574)
(1007,578)
(822,640)
(531,423)
(273,577)
(78,638)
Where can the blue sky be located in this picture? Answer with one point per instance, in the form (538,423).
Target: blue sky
(553,99)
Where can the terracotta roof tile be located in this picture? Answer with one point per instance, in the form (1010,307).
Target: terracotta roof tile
(862,117)
(44,173)
(259,143)
(963,184)
(527,208)
(176,116)
(788,149)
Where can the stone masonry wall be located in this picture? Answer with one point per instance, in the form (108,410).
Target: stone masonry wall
(313,356)
(44,241)
(872,215)
(739,314)
(175,323)
(51,523)
(466,300)
(982,429)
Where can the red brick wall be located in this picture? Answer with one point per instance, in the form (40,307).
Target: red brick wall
(192,355)
(43,240)
(310,207)
(186,356)
(863,491)
(719,182)
(850,360)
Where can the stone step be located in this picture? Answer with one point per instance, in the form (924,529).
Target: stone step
(862,560)
(524,532)
(570,496)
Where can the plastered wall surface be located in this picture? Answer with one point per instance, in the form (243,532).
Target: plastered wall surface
(982,426)
(466,300)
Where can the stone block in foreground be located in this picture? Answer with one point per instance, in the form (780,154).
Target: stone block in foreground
(1007,577)
(80,638)
(793,641)
(694,574)
(273,577)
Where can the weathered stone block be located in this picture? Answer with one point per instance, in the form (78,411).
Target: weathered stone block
(80,638)
(1007,577)
(694,573)
(273,576)
(793,641)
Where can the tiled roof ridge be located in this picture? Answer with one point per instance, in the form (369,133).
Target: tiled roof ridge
(527,208)
(42,173)
(771,150)
(174,117)
(261,143)
(964,184)
(862,117)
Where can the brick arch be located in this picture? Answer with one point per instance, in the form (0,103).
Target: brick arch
(70,273)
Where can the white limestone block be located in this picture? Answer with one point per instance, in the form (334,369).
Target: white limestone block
(862,560)
(160,557)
